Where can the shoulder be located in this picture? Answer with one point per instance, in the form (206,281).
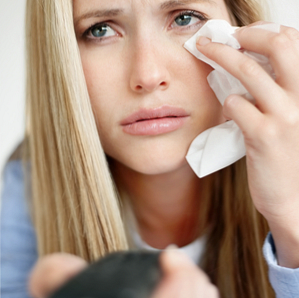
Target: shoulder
(18,241)
(14,198)
(13,191)
(13,173)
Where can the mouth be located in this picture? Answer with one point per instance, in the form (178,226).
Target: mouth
(154,121)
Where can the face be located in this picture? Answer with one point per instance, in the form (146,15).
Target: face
(149,95)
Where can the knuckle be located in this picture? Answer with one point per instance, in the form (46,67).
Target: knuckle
(268,133)
(280,41)
(292,33)
(292,118)
(230,105)
(249,67)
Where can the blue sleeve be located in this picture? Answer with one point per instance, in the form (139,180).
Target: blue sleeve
(18,241)
(285,281)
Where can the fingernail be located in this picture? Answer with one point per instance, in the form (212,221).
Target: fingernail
(172,246)
(177,257)
(202,41)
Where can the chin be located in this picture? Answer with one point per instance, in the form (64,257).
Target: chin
(160,168)
(154,165)
(154,156)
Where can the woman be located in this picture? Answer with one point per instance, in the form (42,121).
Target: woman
(100,73)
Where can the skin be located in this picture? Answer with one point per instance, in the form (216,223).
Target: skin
(152,69)
(181,278)
(270,128)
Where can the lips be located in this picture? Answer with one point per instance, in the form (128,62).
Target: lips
(154,121)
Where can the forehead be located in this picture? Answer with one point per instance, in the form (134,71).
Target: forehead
(109,8)
(129,4)
(140,2)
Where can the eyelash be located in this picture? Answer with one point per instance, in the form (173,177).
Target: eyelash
(192,13)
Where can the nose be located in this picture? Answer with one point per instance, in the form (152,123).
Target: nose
(149,71)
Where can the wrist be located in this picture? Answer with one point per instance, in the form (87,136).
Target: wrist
(286,239)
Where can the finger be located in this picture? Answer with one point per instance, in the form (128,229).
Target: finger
(281,48)
(175,261)
(244,113)
(249,72)
(181,277)
(176,278)
(52,271)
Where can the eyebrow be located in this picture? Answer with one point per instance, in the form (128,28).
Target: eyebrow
(175,3)
(98,13)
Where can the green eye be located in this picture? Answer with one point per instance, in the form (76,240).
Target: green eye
(183,20)
(188,18)
(101,30)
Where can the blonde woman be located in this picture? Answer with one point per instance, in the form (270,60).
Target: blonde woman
(99,74)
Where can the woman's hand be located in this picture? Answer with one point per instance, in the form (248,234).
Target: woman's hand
(182,278)
(52,271)
(270,128)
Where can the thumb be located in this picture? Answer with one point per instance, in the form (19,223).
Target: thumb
(181,277)
(173,260)
(52,271)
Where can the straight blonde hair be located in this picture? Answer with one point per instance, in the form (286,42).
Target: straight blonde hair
(75,207)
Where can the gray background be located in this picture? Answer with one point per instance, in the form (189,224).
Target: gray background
(12,72)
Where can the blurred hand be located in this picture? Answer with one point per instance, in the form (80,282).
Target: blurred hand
(51,271)
(182,278)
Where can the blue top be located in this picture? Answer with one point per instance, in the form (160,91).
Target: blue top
(18,244)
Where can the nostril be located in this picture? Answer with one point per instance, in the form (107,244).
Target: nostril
(150,86)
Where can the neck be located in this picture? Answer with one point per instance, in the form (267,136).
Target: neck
(166,206)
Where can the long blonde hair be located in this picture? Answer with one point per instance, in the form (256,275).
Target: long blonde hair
(75,207)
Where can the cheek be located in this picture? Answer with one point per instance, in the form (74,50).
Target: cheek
(200,95)
(190,71)
(102,76)
(195,74)
(206,109)
(105,83)
(101,81)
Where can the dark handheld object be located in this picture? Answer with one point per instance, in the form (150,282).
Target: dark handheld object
(118,275)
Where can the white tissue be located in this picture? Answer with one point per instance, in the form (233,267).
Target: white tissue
(222,145)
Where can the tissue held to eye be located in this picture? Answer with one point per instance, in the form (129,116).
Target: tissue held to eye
(222,145)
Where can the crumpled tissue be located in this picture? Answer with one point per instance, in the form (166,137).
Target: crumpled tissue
(222,145)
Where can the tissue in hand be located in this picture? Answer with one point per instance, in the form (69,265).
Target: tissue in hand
(222,145)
